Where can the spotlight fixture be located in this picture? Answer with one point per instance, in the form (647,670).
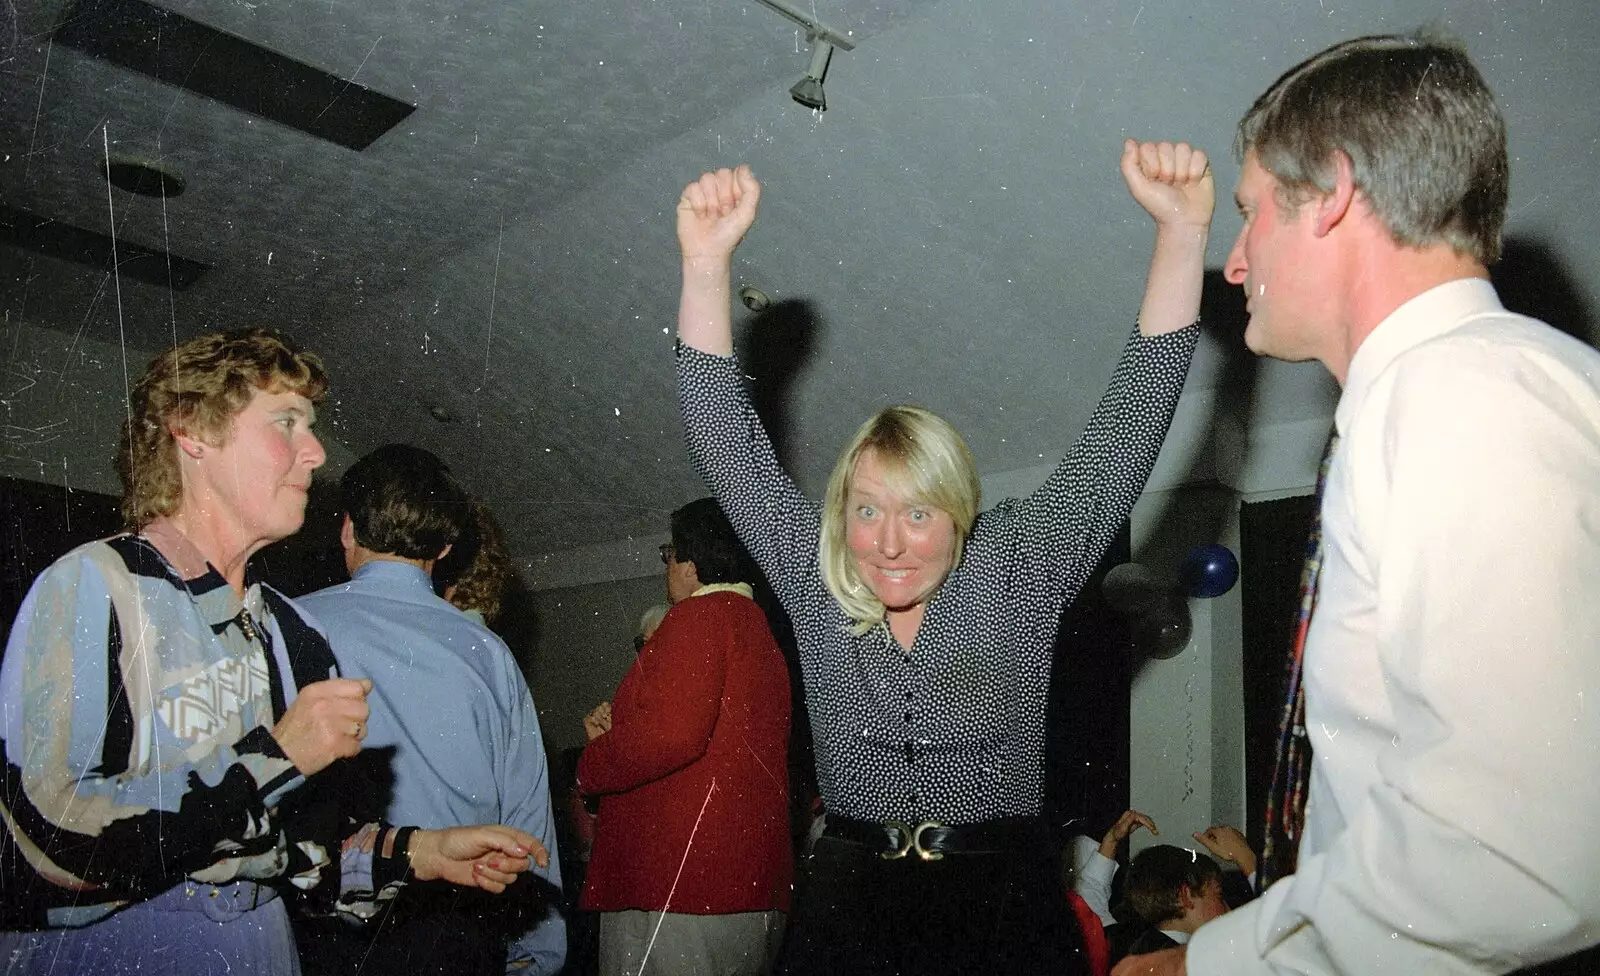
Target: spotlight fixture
(808,90)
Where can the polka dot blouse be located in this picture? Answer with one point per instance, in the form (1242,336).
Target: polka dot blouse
(952,728)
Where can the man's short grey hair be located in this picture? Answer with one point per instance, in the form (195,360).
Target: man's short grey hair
(1425,139)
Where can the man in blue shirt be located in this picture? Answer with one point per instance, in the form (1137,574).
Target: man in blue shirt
(452,727)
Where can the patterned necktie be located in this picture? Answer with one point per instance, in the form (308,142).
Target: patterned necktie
(1291,771)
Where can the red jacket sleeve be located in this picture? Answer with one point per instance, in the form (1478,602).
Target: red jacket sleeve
(1095,944)
(666,706)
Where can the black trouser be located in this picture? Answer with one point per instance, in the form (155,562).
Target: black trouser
(991,914)
(426,930)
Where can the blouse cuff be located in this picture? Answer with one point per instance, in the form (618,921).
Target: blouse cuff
(265,760)
(684,351)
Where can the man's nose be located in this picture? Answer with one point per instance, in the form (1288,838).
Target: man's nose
(1234,270)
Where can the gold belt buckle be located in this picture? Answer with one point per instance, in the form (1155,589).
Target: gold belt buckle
(911,839)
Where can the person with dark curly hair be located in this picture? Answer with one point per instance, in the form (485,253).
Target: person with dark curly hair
(477,572)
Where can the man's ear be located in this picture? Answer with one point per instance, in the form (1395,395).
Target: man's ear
(1185,899)
(347,534)
(690,572)
(1332,207)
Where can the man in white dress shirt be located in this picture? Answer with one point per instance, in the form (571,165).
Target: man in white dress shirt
(1452,669)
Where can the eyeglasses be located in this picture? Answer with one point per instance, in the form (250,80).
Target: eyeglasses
(666,553)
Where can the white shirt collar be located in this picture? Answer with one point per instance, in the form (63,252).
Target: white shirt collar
(1437,311)
(743,589)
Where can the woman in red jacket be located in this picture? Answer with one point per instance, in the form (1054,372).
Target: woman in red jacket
(692,865)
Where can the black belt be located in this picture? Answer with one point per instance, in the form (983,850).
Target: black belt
(932,840)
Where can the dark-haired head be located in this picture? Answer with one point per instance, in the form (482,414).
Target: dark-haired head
(701,534)
(403,501)
(1160,877)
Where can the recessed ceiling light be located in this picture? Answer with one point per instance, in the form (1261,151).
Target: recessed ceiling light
(754,298)
(145,177)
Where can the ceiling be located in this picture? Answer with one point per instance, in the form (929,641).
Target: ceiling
(952,231)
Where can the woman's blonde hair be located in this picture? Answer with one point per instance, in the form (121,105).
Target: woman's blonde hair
(198,388)
(924,461)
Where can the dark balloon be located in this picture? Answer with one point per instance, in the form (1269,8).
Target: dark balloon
(1164,632)
(1209,570)
(1156,611)
(1130,587)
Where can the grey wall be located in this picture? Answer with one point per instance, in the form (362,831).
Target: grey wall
(582,648)
(1186,753)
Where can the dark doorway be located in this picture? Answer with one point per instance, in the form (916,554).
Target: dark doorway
(1272,547)
(1087,716)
